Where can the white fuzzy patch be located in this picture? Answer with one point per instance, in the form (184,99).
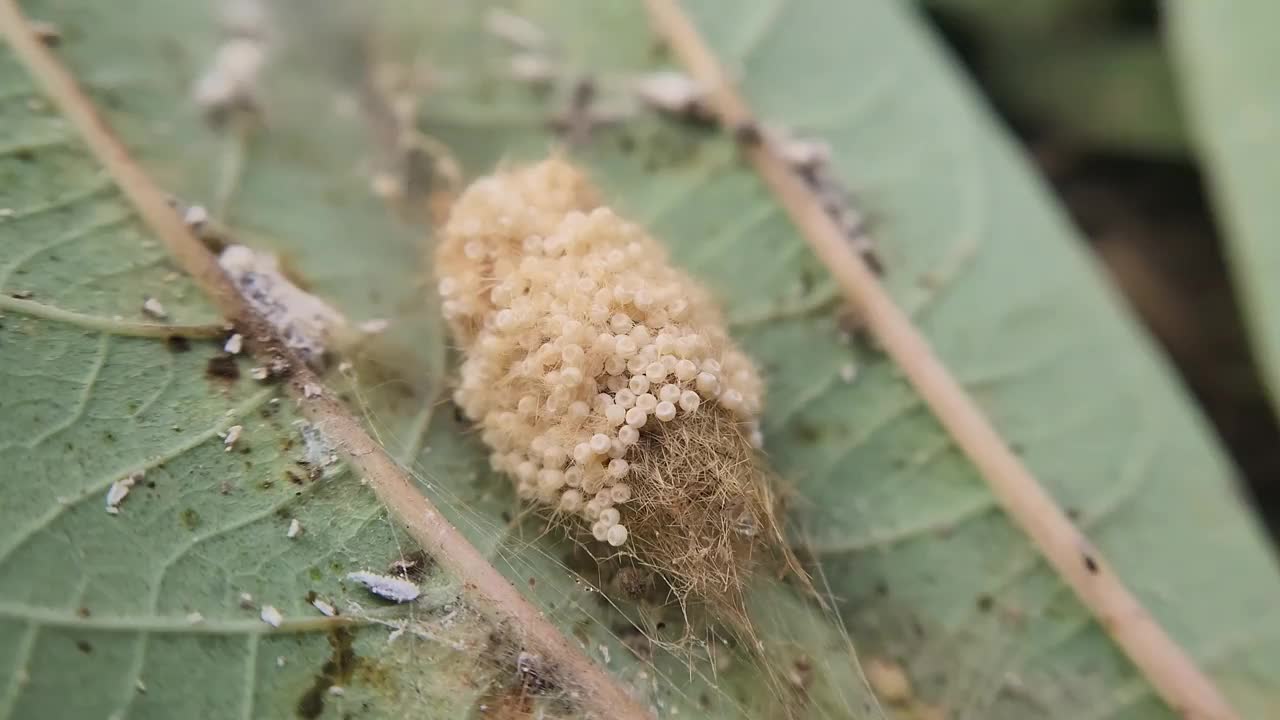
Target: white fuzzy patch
(271,616)
(305,322)
(391,588)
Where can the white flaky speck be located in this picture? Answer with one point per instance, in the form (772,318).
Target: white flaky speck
(375,326)
(518,31)
(154,308)
(311,390)
(271,616)
(259,373)
(7,212)
(195,618)
(848,372)
(231,79)
(337,690)
(295,529)
(532,68)
(280,661)
(235,344)
(246,600)
(391,588)
(120,489)
(195,216)
(325,608)
(233,434)
(670,91)
(386,185)
(800,153)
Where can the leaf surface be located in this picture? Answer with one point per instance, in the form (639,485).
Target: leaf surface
(1224,56)
(99,611)
(928,572)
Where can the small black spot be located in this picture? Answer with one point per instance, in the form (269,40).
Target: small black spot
(747,133)
(1090,564)
(506,516)
(151,484)
(458,415)
(882,589)
(84,646)
(177,343)
(1073,513)
(985,602)
(25,155)
(223,367)
(293,477)
(83,612)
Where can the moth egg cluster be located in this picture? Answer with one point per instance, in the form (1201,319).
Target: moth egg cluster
(579,341)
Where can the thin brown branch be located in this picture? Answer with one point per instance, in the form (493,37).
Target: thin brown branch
(491,594)
(1166,665)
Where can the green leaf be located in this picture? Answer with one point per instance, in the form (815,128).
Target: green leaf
(926,569)
(1113,92)
(1224,57)
(85,403)
(929,570)
(1082,72)
(141,614)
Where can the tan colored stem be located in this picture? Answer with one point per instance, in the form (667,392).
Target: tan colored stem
(489,592)
(1166,665)
(109,325)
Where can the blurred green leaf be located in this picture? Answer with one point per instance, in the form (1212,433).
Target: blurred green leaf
(1226,57)
(1110,93)
(1081,73)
